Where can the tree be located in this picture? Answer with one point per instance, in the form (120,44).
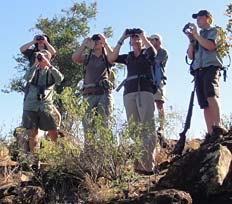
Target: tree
(229,23)
(65,33)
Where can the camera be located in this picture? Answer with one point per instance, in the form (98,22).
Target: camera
(186,27)
(133,31)
(39,37)
(41,93)
(95,37)
(39,57)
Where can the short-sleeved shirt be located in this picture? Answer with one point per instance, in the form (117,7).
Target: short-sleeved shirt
(30,54)
(204,58)
(95,69)
(31,102)
(139,66)
(162,56)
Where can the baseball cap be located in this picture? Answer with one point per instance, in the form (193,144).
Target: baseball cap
(202,13)
(156,36)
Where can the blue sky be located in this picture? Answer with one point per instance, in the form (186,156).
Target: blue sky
(161,16)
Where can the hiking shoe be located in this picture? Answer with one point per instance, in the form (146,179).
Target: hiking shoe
(219,130)
(60,133)
(160,131)
(211,138)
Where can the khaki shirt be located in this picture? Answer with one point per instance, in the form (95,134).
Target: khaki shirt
(204,58)
(31,102)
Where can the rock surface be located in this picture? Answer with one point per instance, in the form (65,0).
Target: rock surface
(203,174)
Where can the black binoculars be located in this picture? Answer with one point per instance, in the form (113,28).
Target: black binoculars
(95,37)
(41,93)
(133,31)
(39,37)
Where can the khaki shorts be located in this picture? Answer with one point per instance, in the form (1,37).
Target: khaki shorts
(207,85)
(42,120)
(160,94)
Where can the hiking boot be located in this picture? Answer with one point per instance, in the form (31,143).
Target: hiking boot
(60,133)
(219,130)
(160,131)
(211,138)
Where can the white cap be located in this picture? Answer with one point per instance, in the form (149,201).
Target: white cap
(156,36)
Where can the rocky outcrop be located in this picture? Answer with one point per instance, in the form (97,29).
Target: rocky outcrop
(205,173)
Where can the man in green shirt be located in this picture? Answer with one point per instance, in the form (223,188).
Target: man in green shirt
(160,63)
(38,108)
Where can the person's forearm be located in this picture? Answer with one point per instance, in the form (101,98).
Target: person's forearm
(108,48)
(77,55)
(190,51)
(148,44)
(26,46)
(50,48)
(115,52)
(207,44)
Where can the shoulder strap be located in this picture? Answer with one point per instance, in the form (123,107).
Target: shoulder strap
(52,82)
(87,62)
(225,67)
(35,79)
(106,60)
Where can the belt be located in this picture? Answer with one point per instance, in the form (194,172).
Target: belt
(94,91)
(89,85)
(130,78)
(204,68)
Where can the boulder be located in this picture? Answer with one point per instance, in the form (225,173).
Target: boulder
(201,172)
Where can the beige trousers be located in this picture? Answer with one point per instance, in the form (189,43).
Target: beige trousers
(140,107)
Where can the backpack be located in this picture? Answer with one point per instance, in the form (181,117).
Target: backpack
(158,76)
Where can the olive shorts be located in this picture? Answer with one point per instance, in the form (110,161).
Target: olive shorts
(38,119)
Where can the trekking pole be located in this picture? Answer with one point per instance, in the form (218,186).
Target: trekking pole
(179,147)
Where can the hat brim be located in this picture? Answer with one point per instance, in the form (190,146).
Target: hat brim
(194,15)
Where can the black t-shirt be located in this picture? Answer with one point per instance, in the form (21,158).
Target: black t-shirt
(138,66)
